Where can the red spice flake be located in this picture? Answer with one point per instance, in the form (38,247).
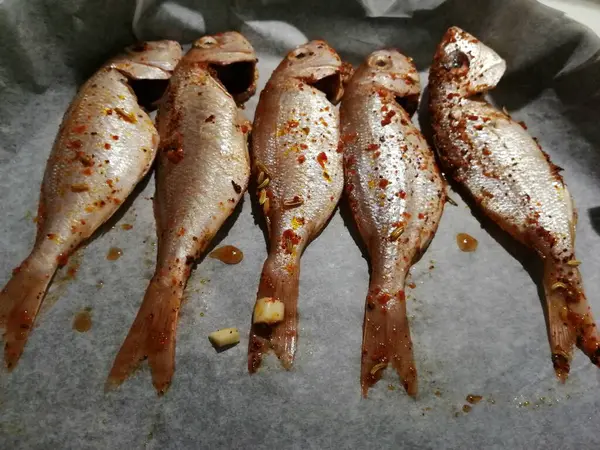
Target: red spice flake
(288,240)
(181,232)
(82,222)
(115,137)
(110,183)
(301,159)
(384,298)
(74,145)
(79,129)
(175,155)
(383,183)
(486,151)
(451,95)
(478,127)
(406,215)
(384,108)
(62,259)
(293,123)
(382,93)
(388,118)
(210,119)
(116,201)
(107,146)
(245,128)
(472,117)
(372,147)
(412,285)
(87,171)
(303,146)
(109,112)
(322,159)
(401,194)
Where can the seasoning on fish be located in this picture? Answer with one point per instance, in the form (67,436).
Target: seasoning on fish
(396,195)
(105,145)
(513,181)
(203,169)
(299,178)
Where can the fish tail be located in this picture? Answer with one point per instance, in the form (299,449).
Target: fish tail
(20,301)
(570,318)
(152,336)
(280,283)
(386,339)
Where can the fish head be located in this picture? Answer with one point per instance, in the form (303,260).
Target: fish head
(318,65)
(152,60)
(464,61)
(231,59)
(392,71)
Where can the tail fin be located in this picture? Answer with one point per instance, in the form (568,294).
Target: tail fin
(570,319)
(386,339)
(281,283)
(152,336)
(20,301)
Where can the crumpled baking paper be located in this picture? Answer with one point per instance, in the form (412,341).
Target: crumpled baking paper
(476,318)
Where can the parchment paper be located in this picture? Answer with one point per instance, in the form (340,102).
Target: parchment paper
(476,318)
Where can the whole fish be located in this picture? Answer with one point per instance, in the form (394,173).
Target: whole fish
(396,195)
(513,181)
(299,174)
(202,172)
(105,145)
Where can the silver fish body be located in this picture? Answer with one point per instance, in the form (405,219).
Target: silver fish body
(202,172)
(105,145)
(513,181)
(299,177)
(396,195)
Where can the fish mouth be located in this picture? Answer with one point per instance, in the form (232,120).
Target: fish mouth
(331,85)
(148,92)
(238,78)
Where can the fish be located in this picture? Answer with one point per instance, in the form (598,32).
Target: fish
(396,195)
(298,171)
(202,173)
(513,181)
(105,145)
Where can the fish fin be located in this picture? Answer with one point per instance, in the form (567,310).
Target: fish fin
(151,336)
(386,339)
(280,283)
(20,302)
(570,319)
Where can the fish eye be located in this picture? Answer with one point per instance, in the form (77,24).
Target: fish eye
(299,53)
(380,61)
(206,42)
(457,60)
